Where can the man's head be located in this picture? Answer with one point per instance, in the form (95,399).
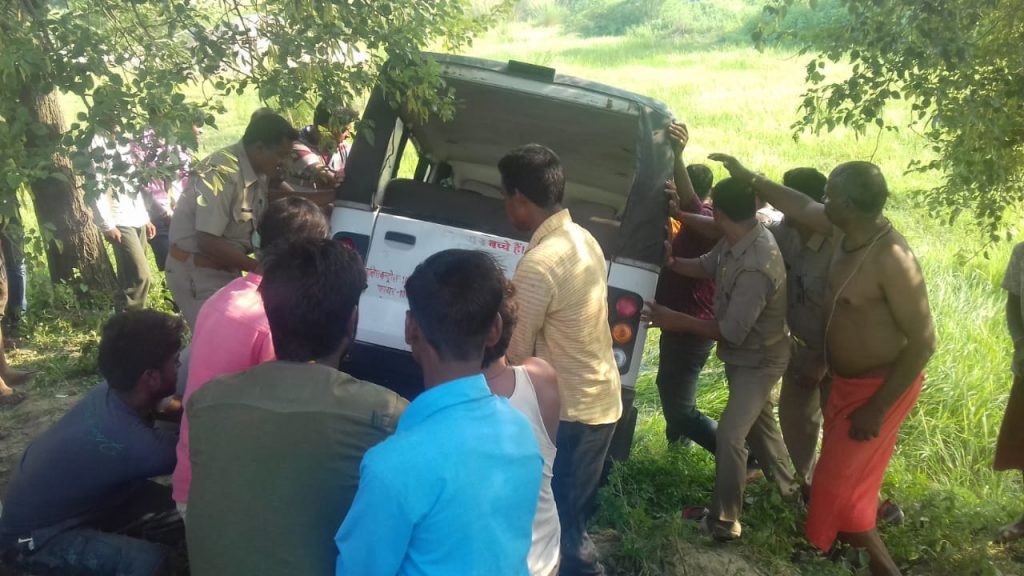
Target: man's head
(733,201)
(454,298)
(138,353)
(337,120)
(533,184)
(701,178)
(806,180)
(311,290)
(509,313)
(291,219)
(268,143)
(855,191)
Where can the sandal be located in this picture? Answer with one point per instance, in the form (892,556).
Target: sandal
(890,513)
(1011,532)
(695,513)
(13,399)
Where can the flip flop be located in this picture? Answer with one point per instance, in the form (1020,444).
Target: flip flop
(1010,533)
(695,513)
(13,399)
(890,513)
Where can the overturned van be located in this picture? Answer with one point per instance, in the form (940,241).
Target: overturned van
(412,190)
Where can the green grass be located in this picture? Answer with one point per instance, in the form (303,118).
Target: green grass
(740,101)
(743,102)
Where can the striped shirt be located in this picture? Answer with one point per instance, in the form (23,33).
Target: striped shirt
(562,293)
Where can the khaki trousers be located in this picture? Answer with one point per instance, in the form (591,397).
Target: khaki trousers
(193,285)
(801,402)
(748,419)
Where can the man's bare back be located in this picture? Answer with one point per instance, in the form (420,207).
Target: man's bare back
(864,335)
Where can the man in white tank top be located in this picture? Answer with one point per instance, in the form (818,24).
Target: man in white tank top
(533,390)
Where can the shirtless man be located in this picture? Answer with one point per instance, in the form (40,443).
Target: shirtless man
(879,336)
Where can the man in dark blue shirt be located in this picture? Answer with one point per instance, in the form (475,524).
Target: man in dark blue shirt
(79,501)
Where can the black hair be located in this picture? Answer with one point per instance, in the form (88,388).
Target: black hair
(509,312)
(269,129)
(702,178)
(454,296)
(806,180)
(135,341)
(342,115)
(862,185)
(310,290)
(535,172)
(289,219)
(735,199)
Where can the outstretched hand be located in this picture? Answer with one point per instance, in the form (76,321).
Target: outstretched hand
(732,165)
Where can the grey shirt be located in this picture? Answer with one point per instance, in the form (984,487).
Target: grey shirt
(750,300)
(807,265)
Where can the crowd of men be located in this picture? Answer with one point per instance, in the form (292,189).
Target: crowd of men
(286,465)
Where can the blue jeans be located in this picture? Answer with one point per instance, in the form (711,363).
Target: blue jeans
(125,539)
(576,479)
(680,363)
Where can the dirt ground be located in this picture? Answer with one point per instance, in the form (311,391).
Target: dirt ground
(20,424)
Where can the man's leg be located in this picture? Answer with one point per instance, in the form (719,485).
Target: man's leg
(882,563)
(191,286)
(682,357)
(90,552)
(8,376)
(132,269)
(800,420)
(749,391)
(577,475)
(767,445)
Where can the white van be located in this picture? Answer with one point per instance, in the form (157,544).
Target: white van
(411,190)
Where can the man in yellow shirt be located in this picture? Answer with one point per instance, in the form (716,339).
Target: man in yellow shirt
(562,292)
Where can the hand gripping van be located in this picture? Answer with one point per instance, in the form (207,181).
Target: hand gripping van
(413,189)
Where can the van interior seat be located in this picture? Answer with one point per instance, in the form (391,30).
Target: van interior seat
(449,206)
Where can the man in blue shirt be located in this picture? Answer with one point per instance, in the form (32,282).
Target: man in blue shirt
(454,491)
(79,501)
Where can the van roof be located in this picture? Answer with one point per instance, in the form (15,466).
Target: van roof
(559,79)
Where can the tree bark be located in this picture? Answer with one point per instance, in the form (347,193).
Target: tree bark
(60,206)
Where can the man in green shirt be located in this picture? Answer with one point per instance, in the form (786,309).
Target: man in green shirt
(276,450)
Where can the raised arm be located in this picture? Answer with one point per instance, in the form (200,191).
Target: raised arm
(907,298)
(790,202)
(686,197)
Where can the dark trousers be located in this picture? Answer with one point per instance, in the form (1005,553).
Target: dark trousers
(681,360)
(12,240)
(129,539)
(577,476)
(161,242)
(133,276)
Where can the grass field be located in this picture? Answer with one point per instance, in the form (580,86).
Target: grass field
(740,101)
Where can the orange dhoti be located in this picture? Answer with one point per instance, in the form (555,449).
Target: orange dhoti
(847,480)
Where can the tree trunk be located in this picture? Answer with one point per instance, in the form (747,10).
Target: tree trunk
(60,206)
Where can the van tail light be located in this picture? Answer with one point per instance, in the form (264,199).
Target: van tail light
(624,321)
(360,243)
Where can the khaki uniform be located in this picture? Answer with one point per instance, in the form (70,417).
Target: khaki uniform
(750,307)
(225,197)
(800,407)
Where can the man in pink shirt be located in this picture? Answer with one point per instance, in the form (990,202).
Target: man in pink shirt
(232,333)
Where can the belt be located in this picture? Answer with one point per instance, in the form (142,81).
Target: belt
(200,260)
